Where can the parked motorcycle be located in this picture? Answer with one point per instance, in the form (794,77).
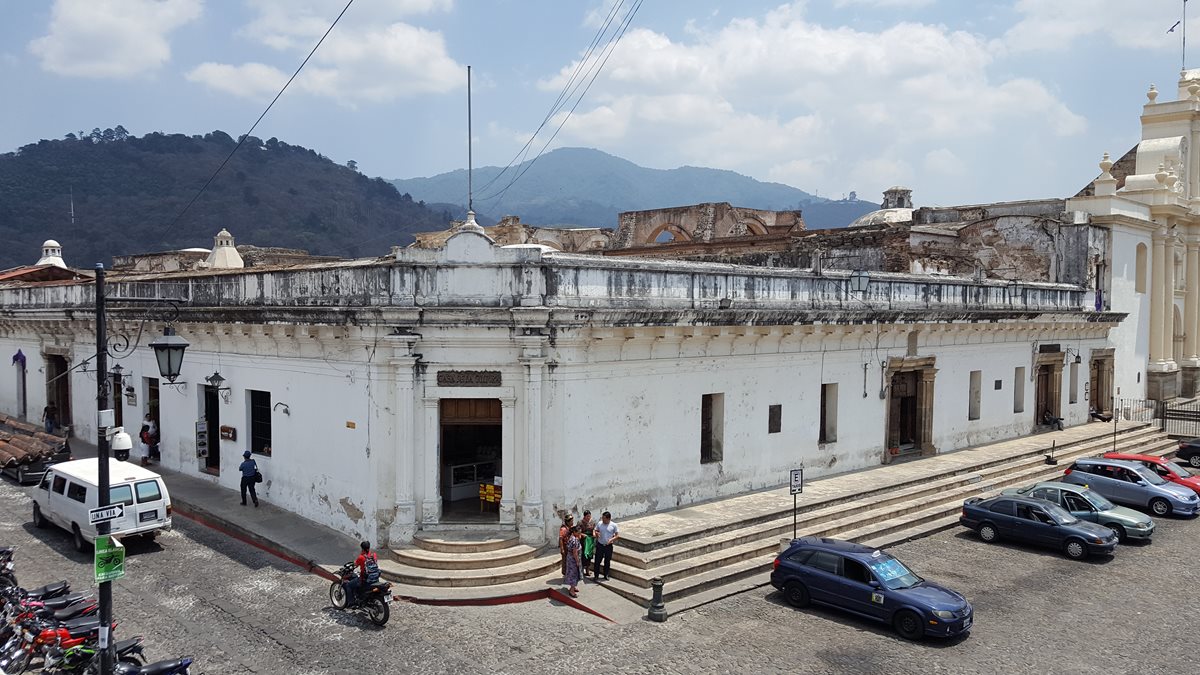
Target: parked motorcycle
(8,571)
(170,667)
(79,658)
(40,634)
(373,599)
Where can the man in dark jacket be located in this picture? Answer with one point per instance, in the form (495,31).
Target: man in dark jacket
(249,469)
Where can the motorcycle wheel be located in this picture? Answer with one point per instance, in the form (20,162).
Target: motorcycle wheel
(337,595)
(19,663)
(6,581)
(132,660)
(377,611)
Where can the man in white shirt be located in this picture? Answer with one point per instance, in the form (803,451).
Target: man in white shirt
(606,535)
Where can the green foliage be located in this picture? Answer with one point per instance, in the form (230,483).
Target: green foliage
(129,190)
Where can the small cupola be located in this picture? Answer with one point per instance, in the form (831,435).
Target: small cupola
(52,254)
(224,254)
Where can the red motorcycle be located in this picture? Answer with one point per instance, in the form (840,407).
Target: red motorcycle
(41,635)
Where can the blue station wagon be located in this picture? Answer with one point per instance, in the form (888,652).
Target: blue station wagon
(871,584)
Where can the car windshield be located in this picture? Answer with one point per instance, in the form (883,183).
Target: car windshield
(894,574)
(1097,500)
(1060,515)
(1178,470)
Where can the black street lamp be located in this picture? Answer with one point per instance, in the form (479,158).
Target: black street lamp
(168,351)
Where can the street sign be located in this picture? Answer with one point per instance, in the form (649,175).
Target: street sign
(106,513)
(797,481)
(109,559)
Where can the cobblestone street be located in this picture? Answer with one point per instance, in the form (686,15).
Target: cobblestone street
(240,610)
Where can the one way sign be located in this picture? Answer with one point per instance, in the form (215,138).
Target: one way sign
(106,513)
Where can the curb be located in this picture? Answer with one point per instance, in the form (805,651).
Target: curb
(547,594)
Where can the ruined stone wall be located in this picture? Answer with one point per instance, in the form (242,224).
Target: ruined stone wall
(701,223)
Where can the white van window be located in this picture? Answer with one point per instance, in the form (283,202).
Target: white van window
(147,491)
(60,484)
(77,492)
(120,494)
(45,484)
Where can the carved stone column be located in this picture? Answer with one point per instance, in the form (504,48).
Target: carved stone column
(508,462)
(533,525)
(1168,317)
(925,403)
(431,500)
(404,525)
(1157,263)
(1191,316)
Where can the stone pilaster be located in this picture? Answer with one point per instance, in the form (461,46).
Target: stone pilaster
(532,527)
(431,502)
(1157,263)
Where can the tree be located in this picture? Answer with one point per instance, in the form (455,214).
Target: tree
(352,165)
(96,135)
(70,137)
(121,133)
(108,136)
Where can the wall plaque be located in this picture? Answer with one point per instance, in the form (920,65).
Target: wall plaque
(228,433)
(468,378)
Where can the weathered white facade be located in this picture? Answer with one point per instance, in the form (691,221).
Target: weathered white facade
(620,384)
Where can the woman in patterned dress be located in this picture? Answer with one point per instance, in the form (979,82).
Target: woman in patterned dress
(573,546)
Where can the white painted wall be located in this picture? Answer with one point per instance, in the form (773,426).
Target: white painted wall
(1131,338)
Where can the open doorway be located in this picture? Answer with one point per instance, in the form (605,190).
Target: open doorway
(212,424)
(904,426)
(470,459)
(22,398)
(152,411)
(58,395)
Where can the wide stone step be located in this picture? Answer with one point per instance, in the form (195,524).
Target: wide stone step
(470,560)
(878,507)
(465,542)
(634,540)
(420,576)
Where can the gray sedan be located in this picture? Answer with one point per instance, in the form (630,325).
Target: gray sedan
(1087,504)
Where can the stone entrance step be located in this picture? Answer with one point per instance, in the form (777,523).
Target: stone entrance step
(465,542)
(410,575)
(467,558)
(703,564)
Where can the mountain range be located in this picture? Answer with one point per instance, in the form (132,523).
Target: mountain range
(582,187)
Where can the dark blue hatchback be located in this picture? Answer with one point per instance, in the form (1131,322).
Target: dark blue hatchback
(870,583)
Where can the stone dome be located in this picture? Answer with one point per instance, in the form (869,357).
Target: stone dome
(897,207)
(52,254)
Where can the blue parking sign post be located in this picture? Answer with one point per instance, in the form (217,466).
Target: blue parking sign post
(796,481)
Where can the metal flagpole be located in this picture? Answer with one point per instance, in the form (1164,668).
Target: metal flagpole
(1183,56)
(470,163)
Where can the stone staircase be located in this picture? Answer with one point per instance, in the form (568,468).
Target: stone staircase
(701,565)
(451,559)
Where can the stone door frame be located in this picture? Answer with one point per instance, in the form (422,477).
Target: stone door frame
(925,367)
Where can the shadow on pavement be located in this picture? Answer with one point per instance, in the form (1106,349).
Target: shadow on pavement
(853,621)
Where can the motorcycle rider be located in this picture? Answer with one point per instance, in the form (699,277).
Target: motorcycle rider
(367,566)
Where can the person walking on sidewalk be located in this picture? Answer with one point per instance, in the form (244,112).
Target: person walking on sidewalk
(249,469)
(607,534)
(572,575)
(587,528)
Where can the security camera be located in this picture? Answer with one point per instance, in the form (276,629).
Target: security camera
(120,441)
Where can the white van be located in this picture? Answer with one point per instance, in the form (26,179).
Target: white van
(69,490)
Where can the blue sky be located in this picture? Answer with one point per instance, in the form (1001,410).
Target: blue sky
(962,101)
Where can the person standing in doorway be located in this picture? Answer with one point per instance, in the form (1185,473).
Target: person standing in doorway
(50,417)
(144,444)
(149,422)
(249,469)
(606,534)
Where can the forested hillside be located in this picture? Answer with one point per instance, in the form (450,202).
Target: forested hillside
(128,192)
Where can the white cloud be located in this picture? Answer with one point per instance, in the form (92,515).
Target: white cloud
(111,38)
(370,56)
(1052,25)
(780,97)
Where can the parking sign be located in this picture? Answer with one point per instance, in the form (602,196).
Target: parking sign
(797,481)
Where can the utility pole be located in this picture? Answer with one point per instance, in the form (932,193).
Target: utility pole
(104,415)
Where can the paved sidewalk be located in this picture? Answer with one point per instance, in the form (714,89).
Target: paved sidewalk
(299,540)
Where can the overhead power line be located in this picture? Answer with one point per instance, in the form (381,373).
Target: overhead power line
(249,131)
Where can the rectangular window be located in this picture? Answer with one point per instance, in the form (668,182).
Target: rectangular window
(147,491)
(1074,383)
(120,494)
(976,393)
(774,419)
(829,401)
(77,492)
(712,428)
(260,422)
(60,484)
(1019,390)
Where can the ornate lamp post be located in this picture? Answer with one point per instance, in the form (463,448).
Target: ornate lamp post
(168,351)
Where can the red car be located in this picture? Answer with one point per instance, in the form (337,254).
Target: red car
(1170,471)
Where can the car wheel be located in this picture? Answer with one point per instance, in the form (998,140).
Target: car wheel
(1160,507)
(77,538)
(38,519)
(796,594)
(908,625)
(1194,460)
(1120,531)
(988,533)
(1075,549)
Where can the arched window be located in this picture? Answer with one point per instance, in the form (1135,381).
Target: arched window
(665,237)
(1139,269)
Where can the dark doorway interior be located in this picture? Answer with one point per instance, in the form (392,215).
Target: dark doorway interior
(22,396)
(212,421)
(904,426)
(152,410)
(58,391)
(470,459)
(1042,393)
